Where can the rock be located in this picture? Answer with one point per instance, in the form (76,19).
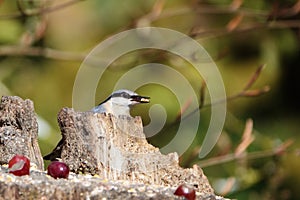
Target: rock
(19,130)
(115,148)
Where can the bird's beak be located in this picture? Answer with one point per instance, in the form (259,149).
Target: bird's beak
(140,99)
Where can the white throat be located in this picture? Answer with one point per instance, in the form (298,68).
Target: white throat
(118,109)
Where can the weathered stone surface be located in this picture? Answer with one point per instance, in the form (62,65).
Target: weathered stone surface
(40,186)
(19,130)
(115,148)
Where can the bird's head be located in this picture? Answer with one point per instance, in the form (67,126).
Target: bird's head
(127,98)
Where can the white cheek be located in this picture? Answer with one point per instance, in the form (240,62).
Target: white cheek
(134,102)
(121,101)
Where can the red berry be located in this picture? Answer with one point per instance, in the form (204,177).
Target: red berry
(186,191)
(19,165)
(58,169)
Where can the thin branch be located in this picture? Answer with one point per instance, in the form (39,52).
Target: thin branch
(188,103)
(244,93)
(296,8)
(152,15)
(41,51)
(234,8)
(202,94)
(183,109)
(212,33)
(236,4)
(228,186)
(247,138)
(212,9)
(254,77)
(234,22)
(248,156)
(39,11)
(282,13)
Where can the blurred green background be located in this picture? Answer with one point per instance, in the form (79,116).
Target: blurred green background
(41,50)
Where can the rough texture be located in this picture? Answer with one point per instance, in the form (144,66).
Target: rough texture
(40,186)
(19,130)
(116,149)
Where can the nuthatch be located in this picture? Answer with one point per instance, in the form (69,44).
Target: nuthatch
(118,103)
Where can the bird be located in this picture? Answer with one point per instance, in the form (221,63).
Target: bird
(118,103)
(55,154)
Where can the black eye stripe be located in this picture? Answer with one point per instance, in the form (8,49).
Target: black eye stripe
(136,98)
(128,96)
(121,94)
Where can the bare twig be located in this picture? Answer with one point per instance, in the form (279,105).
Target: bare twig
(40,51)
(40,11)
(249,156)
(189,101)
(296,8)
(183,109)
(236,4)
(256,93)
(244,93)
(154,14)
(230,9)
(234,8)
(254,77)
(282,13)
(202,94)
(228,185)
(234,22)
(218,32)
(282,148)
(191,157)
(247,139)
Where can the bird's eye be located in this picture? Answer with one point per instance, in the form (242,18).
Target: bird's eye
(125,95)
